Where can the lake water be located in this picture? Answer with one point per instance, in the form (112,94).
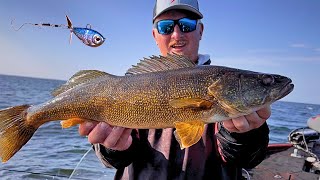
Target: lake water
(53,153)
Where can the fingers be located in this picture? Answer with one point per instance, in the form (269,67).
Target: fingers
(86,128)
(99,133)
(264,113)
(248,122)
(121,141)
(228,124)
(116,138)
(254,120)
(239,125)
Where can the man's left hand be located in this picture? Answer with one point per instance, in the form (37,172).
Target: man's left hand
(248,122)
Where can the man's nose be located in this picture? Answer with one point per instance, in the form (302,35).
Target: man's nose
(176,31)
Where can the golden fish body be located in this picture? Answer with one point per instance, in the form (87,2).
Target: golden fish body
(158,93)
(136,101)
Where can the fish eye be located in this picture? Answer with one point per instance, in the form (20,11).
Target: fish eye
(97,39)
(268,79)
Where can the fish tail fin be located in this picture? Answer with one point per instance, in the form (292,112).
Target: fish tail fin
(69,27)
(14,130)
(69,22)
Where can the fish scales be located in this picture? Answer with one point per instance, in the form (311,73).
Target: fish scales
(160,92)
(139,101)
(148,100)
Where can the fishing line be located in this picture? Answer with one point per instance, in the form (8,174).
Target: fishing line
(74,170)
(37,24)
(306,145)
(51,175)
(247,173)
(304,139)
(37,173)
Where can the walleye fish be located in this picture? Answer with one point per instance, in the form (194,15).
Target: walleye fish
(159,92)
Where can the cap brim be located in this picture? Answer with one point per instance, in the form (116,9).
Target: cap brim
(197,14)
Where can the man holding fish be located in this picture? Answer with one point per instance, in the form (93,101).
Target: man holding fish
(167,118)
(225,148)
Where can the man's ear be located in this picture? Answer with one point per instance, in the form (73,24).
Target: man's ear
(154,35)
(201,26)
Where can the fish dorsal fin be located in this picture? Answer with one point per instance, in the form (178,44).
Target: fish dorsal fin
(80,77)
(161,63)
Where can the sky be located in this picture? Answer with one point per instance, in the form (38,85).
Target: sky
(271,36)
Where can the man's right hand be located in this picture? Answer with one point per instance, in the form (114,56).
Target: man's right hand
(111,137)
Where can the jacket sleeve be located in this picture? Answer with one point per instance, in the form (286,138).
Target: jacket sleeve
(118,159)
(245,150)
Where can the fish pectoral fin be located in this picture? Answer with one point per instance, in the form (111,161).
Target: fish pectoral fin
(188,133)
(191,103)
(71,122)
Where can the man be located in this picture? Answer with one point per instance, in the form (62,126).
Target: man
(225,147)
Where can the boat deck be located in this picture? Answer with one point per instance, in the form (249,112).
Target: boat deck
(282,166)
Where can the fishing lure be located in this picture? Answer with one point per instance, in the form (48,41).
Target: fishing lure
(87,35)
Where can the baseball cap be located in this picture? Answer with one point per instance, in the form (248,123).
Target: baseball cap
(162,6)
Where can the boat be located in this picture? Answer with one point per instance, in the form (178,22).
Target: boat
(297,159)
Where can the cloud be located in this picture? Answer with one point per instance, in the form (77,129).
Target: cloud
(265,61)
(305,46)
(265,50)
(317,49)
(298,45)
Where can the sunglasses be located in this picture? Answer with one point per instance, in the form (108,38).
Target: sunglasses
(166,26)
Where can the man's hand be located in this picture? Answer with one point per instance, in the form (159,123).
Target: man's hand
(111,137)
(246,123)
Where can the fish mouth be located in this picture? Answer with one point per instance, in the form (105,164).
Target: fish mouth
(286,89)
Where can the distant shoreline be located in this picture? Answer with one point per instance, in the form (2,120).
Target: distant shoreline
(32,77)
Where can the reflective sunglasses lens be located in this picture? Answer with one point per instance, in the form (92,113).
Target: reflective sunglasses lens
(165,26)
(187,25)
